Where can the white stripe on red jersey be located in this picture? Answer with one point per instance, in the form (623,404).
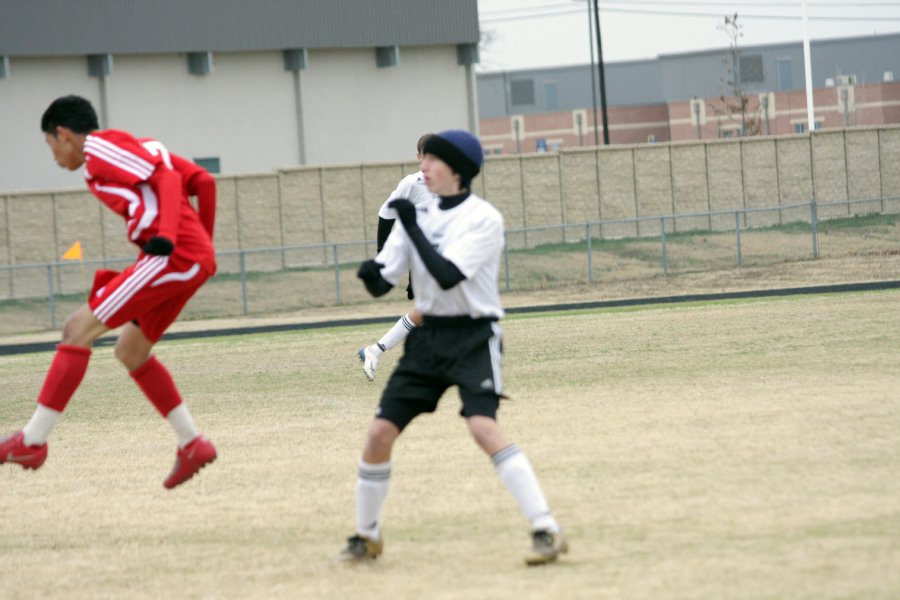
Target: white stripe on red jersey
(151,209)
(184,276)
(118,157)
(148,268)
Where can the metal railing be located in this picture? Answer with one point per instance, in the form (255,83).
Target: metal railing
(319,263)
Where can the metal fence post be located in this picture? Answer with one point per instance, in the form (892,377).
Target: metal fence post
(243,280)
(590,257)
(815,228)
(737,233)
(337,275)
(52,296)
(662,235)
(506,257)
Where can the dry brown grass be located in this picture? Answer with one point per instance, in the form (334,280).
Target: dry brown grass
(850,250)
(736,450)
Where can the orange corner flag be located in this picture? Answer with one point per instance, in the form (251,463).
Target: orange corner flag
(74,253)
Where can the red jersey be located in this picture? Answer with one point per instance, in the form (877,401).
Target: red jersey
(138,180)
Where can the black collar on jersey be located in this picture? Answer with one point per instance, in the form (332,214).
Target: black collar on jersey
(448,202)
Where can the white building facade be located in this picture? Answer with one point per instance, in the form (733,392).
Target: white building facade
(248,91)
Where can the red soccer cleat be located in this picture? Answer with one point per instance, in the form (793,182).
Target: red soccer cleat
(14,450)
(189,460)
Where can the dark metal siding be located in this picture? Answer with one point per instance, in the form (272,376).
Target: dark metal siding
(673,77)
(71,27)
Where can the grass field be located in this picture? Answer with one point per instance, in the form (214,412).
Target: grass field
(721,450)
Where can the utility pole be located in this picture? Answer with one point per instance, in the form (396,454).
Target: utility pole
(602,77)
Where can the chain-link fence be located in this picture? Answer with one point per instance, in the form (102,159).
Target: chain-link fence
(271,280)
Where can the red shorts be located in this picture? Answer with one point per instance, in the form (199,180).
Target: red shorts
(152,292)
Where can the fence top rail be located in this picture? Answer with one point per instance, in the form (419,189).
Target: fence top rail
(365,243)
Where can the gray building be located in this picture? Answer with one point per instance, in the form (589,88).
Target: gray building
(677,77)
(241,86)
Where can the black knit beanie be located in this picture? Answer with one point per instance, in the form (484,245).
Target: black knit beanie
(460,150)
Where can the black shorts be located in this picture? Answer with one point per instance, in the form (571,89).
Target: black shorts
(442,352)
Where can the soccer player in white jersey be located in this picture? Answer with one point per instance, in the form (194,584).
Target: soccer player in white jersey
(452,245)
(413,188)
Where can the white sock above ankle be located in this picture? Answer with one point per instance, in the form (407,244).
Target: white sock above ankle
(42,422)
(397,333)
(371,491)
(518,476)
(181,421)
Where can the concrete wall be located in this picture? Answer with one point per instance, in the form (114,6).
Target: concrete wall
(245,113)
(339,203)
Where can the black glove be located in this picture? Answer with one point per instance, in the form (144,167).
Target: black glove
(159,246)
(406,212)
(370,273)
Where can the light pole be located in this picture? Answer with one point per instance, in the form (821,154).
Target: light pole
(593,77)
(602,75)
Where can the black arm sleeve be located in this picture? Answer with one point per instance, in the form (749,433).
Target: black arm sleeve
(370,273)
(444,272)
(384,230)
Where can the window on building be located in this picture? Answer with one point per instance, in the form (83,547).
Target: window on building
(551,101)
(800,126)
(752,68)
(210,163)
(785,78)
(521,92)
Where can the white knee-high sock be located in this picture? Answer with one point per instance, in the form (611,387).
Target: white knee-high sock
(397,333)
(41,424)
(183,424)
(371,491)
(517,475)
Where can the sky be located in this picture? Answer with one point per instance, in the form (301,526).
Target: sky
(527,34)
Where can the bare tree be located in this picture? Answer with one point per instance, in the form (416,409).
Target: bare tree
(737,106)
(488,39)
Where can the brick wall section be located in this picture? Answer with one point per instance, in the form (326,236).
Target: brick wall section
(32,239)
(502,180)
(578,187)
(862,169)
(542,198)
(654,186)
(617,200)
(794,176)
(5,275)
(76,220)
(311,205)
(726,187)
(830,173)
(760,181)
(259,215)
(890,161)
(342,204)
(302,217)
(689,185)
(226,235)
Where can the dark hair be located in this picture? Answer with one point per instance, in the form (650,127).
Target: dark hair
(73,112)
(420,146)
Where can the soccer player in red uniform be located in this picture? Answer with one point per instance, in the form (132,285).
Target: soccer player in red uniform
(149,187)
